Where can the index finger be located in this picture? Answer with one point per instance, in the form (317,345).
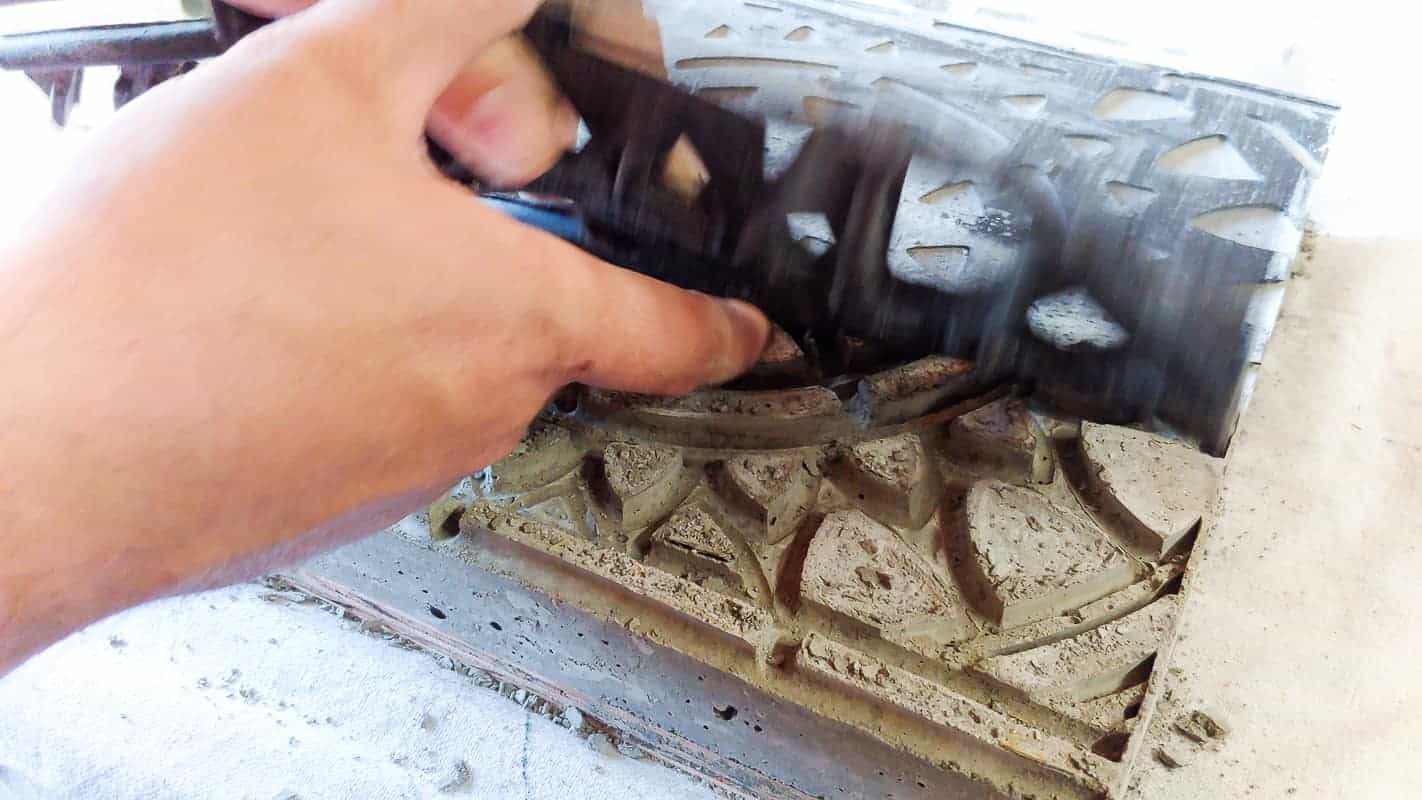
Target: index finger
(622,330)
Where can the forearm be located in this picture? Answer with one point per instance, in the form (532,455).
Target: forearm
(61,555)
(85,532)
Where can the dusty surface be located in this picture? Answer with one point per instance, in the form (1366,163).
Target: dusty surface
(644,479)
(1002,435)
(1158,484)
(736,618)
(1097,663)
(693,545)
(1073,319)
(860,568)
(695,531)
(633,468)
(911,389)
(1034,556)
(923,698)
(1267,614)
(896,479)
(247,692)
(894,462)
(1112,606)
(781,490)
(1303,598)
(546,453)
(874,544)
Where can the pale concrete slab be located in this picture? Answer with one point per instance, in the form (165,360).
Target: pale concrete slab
(1303,621)
(243,693)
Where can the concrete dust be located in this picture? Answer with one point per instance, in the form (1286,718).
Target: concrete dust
(332,709)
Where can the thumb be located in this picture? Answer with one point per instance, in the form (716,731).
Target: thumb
(625,331)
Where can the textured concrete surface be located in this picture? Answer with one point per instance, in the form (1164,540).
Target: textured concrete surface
(1300,629)
(248,693)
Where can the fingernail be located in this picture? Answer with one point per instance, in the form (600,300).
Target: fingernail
(485,119)
(568,121)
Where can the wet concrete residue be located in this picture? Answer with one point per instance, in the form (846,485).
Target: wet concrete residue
(984,555)
(1072,319)
(1033,556)
(1161,487)
(859,568)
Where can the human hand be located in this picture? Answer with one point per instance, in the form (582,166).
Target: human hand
(253,309)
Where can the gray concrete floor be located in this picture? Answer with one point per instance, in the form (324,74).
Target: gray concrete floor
(246,692)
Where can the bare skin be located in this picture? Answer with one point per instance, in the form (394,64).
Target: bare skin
(253,322)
